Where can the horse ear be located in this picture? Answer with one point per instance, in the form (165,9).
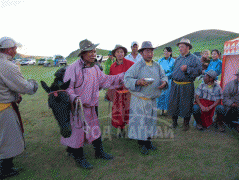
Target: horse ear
(66,85)
(45,87)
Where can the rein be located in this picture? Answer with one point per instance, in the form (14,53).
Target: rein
(56,92)
(79,114)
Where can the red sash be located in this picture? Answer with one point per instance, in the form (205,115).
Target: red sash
(16,109)
(206,117)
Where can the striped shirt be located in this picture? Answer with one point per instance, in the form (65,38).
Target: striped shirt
(210,93)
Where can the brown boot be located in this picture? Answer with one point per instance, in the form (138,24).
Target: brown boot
(186,124)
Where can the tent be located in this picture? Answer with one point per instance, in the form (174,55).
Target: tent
(230,63)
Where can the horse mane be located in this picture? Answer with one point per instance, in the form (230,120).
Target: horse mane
(58,81)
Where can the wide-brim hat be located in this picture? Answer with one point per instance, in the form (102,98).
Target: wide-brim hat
(7,42)
(118,46)
(212,73)
(146,45)
(185,41)
(86,45)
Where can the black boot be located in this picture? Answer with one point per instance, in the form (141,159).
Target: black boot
(219,121)
(6,168)
(186,123)
(143,147)
(150,146)
(197,118)
(174,125)
(99,150)
(79,157)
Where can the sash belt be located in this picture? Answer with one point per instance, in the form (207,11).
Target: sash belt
(15,107)
(181,83)
(4,106)
(144,98)
(123,91)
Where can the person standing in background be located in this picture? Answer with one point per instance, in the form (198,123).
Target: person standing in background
(215,64)
(109,62)
(120,96)
(167,63)
(134,55)
(205,54)
(186,68)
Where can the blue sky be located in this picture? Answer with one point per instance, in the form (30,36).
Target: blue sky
(49,27)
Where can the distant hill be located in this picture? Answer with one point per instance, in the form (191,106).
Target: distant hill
(204,39)
(21,56)
(200,40)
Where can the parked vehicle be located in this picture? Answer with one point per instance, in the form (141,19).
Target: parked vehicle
(59,60)
(28,62)
(48,63)
(62,62)
(41,61)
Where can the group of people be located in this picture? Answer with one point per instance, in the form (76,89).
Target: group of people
(136,85)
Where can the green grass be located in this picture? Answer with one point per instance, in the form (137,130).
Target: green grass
(191,155)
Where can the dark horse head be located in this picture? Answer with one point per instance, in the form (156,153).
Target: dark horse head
(59,101)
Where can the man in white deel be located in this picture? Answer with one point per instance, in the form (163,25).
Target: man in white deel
(12,83)
(134,55)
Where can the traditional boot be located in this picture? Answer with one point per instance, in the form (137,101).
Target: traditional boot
(197,118)
(186,124)
(121,134)
(150,146)
(6,168)
(219,121)
(143,146)
(174,125)
(79,157)
(99,150)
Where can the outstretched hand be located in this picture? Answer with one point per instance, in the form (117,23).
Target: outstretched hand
(19,99)
(234,105)
(164,83)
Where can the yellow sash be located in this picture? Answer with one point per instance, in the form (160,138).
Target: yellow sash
(4,106)
(181,83)
(123,91)
(144,98)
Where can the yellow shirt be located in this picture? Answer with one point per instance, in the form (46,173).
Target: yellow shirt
(149,63)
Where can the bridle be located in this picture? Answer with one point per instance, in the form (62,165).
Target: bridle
(55,93)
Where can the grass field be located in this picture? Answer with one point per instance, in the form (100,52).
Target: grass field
(189,155)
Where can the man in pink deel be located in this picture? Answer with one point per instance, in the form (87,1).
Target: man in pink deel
(86,80)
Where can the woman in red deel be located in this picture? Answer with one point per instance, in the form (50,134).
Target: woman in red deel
(120,96)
